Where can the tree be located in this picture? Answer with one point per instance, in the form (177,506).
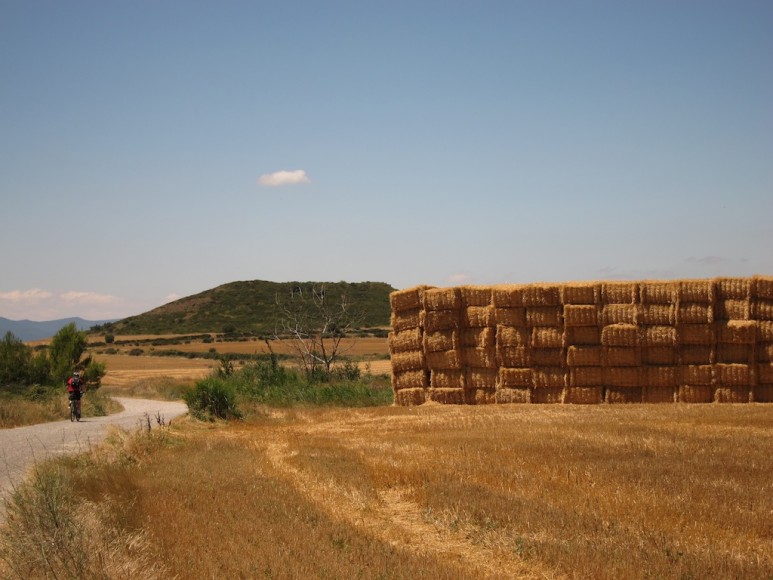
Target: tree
(15,359)
(316,323)
(65,352)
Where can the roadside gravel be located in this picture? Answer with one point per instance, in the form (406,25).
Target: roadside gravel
(21,447)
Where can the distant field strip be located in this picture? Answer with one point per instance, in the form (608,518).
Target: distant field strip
(694,341)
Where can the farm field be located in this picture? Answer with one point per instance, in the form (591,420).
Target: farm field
(509,491)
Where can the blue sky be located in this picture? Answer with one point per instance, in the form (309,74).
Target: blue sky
(153,150)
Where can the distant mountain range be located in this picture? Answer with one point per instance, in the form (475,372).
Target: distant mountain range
(27,330)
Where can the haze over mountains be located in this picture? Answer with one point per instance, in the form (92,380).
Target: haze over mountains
(27,330)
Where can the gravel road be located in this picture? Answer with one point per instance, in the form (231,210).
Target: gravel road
(21,447)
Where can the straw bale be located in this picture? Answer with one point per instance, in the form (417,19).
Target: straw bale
(510,316)
(694,313)
(546,337)
(700,291)
(506,395)
(618,395)
(733,288)
(478,378)
(543,316)
(514,356)
(406,340)
(762,287)
(406,319)
(696,374)
(541,295)
(512,336)
(548,357)
(584,395)
(583,356)
(410,397)
(581,293)
(621,376)
(765,374)
(762,309)
(696,334)
(408,299)
(660,376)
(507,296)
(481,396)
(658,336)
(657,292)
(695,394)
(620,335)
(733,394)
(515,378)
(696,354)
(446,396)
(475,295)
(659,355)
(620,356)
(619,292)
(441,320)
(408,361)
(548,395)
(410,380)
(447,359)
(732,309)
(440,340)
(734,353)
(763,393)
(479,357)
(659,394)
(581,315)
(478,316)
(765,352)
(657,314)
(547,377)
(737,331)
(583,335)
(586,377)
(732,375)
(447,379)
(619,314)
(441,299)
(480,337)
(764,331)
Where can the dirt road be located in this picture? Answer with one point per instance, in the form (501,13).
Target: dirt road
(23,446)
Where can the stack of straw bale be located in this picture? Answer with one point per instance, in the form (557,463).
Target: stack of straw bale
(406,347)
(696,340)
(478,341)
(512,345)
(442,346)
(589,342)
(582,339)
(620,348)
(762,313)
(658,339)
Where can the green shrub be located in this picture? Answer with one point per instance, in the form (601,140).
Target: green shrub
(213,398)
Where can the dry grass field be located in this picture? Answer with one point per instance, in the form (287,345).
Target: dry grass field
(509,491)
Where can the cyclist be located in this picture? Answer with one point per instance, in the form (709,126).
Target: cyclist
(75,392)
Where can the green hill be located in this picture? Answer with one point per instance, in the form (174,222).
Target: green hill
(250,307)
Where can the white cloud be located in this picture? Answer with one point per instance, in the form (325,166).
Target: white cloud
(171,298)
(87,297)
(459,279)
(31,296)
(279,178)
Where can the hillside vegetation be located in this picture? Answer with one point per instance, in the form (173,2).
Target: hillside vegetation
(250,307)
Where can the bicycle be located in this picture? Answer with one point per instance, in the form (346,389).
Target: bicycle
(75,410)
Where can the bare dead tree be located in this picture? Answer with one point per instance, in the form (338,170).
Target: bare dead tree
(316,323)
